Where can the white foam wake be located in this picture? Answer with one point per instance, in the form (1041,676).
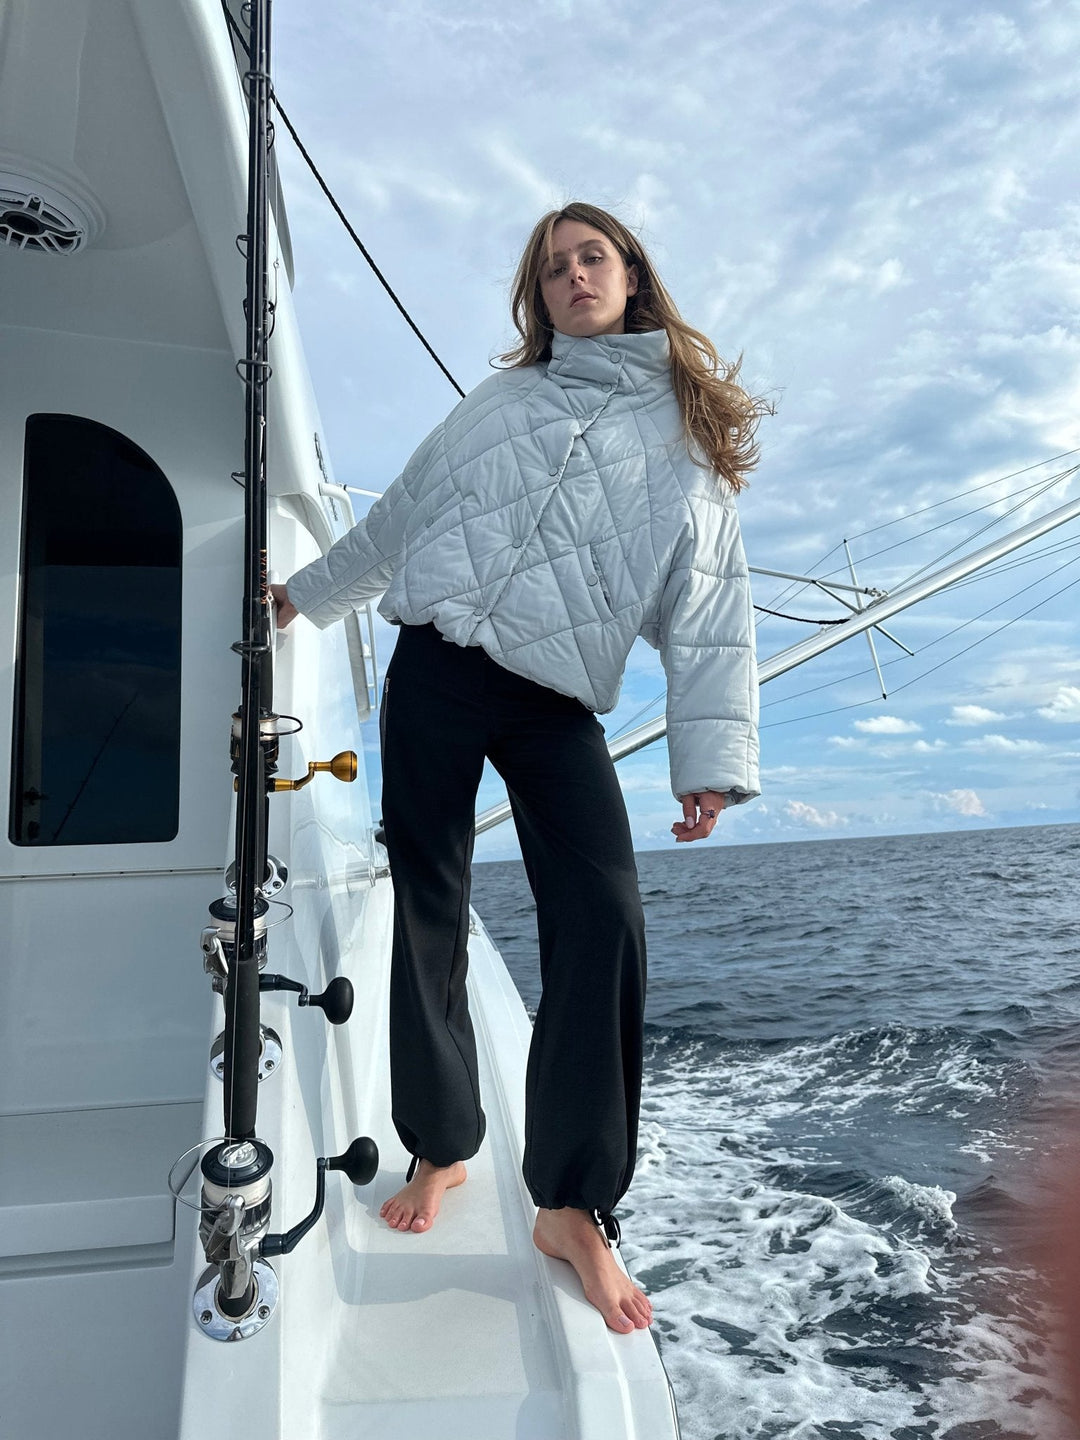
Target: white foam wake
(784,1312)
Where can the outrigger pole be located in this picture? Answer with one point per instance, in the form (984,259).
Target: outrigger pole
(254,753)
(874,614)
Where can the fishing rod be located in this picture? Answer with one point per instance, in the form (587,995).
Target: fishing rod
(254,738)
(238,1293)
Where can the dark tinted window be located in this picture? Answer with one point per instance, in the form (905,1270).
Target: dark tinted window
(97,704)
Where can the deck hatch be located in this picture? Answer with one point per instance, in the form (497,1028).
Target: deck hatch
(97,698)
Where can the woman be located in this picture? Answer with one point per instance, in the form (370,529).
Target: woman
(574,500)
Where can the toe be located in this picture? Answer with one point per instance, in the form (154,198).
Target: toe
(618,1320)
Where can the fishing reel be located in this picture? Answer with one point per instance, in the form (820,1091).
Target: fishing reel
(344,766)
(270,733)
(218,940)
(238,1292)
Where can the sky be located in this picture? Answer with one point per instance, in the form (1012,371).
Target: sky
(875,205)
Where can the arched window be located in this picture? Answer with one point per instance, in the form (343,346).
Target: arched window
(97,693)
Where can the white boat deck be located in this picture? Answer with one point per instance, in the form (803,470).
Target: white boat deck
(467,1331)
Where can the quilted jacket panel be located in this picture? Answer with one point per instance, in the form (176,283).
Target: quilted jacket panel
(553,517)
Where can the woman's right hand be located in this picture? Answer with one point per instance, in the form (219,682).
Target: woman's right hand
(286,610)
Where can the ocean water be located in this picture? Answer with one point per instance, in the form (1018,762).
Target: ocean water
(862,1056)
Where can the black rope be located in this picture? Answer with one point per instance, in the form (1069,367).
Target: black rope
(802,619)
(237,33)
(363,248)
(239,36)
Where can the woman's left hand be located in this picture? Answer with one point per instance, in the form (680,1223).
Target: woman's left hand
(699,815)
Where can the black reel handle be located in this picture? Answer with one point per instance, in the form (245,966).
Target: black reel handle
(360,1161)
(336,1001)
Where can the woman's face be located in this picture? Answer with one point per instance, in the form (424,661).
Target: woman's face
(585,284)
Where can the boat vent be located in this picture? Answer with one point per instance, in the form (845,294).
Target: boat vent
(36,217)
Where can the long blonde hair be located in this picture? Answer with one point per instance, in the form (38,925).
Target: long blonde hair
(719,416)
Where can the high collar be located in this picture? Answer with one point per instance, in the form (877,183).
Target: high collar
(623,362)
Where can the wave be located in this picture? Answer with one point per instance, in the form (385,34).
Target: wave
(801,1290)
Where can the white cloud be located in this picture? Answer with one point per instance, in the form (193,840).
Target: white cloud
(887,725)
(960,802)
(973,715)
(643,782)
(809,815)
(1003,745)
(903,276)
(1064,708)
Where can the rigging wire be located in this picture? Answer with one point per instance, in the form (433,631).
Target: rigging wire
(966,540)
(1015,563)
(363,248)
(938,639)
(238,35)
(874,700)
(1023,613)
(639,713)
(963,494)
(831,684)
(859,534)
(1038,487)
(795,587)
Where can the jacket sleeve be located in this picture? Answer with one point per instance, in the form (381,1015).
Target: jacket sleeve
(706,641)
(359,566)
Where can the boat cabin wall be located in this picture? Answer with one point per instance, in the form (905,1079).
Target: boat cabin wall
(121,422)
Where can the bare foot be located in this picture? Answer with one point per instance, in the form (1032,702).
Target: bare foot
(573,1235)
(416,1204)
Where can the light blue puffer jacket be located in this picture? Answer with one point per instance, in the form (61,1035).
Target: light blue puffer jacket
(553,517)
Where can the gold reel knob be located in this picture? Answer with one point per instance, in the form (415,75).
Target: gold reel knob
(343,767)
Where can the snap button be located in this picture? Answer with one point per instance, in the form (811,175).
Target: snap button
(429,521)
(609,387)
(518,544)
(479,610)
(593,580)
(553,472)
(616,356)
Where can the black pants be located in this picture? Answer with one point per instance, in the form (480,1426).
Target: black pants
(444,709)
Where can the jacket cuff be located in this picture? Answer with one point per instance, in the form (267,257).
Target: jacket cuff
(735,795)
